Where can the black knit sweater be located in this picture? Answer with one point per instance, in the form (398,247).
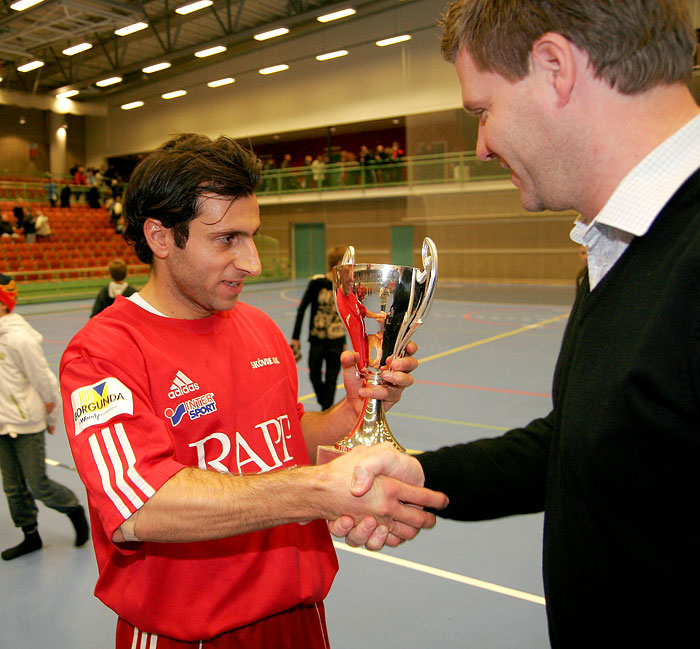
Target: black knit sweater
(616,465)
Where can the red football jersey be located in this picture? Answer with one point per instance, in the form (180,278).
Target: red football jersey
(145,396)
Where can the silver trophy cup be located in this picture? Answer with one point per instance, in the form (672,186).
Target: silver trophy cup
(381,306)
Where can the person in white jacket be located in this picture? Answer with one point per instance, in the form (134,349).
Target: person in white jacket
(28,397)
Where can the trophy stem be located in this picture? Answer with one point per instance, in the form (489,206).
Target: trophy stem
(372,427)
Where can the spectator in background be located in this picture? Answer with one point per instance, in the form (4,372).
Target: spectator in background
(29,227)
(289,182)
(93,197)
(115,211)
(79,177)
(65,196)
(28,397)
(380,159)
(269,179)
(118,286)
(43,229)
(18,212)
(326,331)
(318,170)
(351,167)
(396,156)
(364,158)
(6,229)
(52,193)
(308,176)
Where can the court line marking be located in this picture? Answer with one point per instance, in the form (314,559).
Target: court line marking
(444,574)
(483,341)
(482,388)
(476,343)
(440,420)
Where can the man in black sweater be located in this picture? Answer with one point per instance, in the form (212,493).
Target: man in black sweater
(587,104)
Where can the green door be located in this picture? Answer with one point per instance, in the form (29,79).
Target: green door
(309,242)
(402,245)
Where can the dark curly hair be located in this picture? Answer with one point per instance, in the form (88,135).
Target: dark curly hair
(167,184)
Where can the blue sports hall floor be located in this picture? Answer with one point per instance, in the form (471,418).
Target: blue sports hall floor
(487,355)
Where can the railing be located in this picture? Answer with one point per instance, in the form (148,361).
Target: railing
(460,167)
(37,191)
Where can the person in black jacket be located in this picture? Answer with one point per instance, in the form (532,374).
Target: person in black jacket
(118,286)
(326,331)
(590,109)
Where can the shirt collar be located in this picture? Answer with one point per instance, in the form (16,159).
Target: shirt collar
(642,194)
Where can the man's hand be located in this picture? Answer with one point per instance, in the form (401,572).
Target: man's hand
(388,509)
(397,377)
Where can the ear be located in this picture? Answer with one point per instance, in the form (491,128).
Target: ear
(553,57)
(159,238)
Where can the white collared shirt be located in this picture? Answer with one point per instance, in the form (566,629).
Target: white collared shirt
(638,199)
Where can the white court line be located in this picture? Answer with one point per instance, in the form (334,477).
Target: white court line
(437,572)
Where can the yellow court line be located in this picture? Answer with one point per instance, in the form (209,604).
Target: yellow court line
(476,343)
(492,338)
(446,421)
(444,574)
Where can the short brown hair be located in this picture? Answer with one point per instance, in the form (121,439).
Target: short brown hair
(117,270)
(634,45)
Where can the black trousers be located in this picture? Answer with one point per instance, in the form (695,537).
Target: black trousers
(327,352)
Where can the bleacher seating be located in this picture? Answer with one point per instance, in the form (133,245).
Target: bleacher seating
(81,244)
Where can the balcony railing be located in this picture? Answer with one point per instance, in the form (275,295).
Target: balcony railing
(460,167)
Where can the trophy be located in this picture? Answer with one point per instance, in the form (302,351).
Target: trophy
(381,306)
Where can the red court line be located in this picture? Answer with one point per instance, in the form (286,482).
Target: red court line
(484,388)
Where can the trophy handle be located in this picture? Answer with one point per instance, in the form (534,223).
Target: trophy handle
(348,257)
(427,276)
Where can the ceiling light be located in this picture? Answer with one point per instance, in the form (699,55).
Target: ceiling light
(193,6)
(393,40)
(343,13)
(108,82)
(274,68)
(210,52)
(32,65)
(173,94)
(24,4)
(133,104)
(76,49)
(221,82)
(157,67)
(331,55)
(130,29)
(271,34)
(67,94)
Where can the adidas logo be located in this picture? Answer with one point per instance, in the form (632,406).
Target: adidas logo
(181,385)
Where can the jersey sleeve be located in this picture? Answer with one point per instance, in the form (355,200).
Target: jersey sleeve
(122,450)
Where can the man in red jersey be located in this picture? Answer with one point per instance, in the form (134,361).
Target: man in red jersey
(182,414)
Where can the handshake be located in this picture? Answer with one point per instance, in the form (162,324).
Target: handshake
(381,496)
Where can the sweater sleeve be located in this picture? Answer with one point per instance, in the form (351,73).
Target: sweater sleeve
(491,478)
(30,359)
